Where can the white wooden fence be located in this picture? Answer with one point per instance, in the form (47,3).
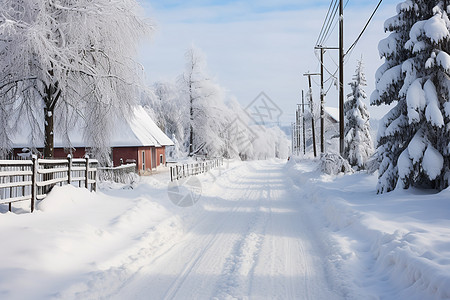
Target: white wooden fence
(122,174)
(185,170)
(31,180)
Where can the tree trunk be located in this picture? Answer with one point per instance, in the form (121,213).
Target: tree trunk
(49,130)
(52,94)
(191,135)
(191,141)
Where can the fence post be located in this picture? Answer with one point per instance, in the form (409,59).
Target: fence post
(11,190)
(171,174)
(86,174)
(33,181)
(69,171)
(95,178)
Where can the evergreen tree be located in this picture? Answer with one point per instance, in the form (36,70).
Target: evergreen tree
(358,142)
(413,139)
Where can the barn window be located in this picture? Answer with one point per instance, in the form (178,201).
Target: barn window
(143,160)
(161,159)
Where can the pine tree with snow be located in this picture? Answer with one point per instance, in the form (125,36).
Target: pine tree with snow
(358,142)
(413,139)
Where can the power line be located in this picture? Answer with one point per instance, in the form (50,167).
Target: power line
(332,29)
(332,75)
(345,6)
(324,21)
(351,48)
(330,22)
(363,30)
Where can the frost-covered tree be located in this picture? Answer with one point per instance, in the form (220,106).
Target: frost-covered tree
(195,113)
(238,135)
(168,108)
(413,139)
(201,93)
(358,142)
(62,61)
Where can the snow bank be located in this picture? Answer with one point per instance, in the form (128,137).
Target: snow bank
(78,242)
(333,164)
(390,246)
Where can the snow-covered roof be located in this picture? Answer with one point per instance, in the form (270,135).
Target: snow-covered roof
(333,112)
(140,131)
(135,132)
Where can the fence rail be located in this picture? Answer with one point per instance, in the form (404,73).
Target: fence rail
(185,170)
(122,174)
(32,180)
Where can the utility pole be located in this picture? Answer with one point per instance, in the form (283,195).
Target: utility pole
(322,113)
(297,123)
(341,77)
(296,135)
(293,138)
(312,110)
(312,116)
(304,130)
(322,94)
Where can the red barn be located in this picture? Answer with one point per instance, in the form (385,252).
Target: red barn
(141,141)
(138,140)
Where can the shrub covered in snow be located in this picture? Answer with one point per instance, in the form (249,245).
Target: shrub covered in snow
(333,164)
(125,174)
(413,138)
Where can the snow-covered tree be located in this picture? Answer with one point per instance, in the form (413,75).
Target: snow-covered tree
(65,60)
(195,114)
(358,142)
(238,135)
(167,108)
(201,93)
(413,139)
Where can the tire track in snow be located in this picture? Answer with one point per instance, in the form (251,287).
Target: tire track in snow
(155,244)
(195,252)
(210,242)
(291,261)
(238,271)
(253,240)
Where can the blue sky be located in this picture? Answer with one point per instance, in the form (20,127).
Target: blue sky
(256,46)
(257,5)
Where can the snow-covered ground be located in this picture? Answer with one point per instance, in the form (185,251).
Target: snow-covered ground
(260,230)
(389,246)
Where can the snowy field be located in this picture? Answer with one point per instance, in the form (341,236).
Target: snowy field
(260,230)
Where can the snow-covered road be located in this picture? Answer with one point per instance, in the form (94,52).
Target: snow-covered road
(253,240)
(260,230)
